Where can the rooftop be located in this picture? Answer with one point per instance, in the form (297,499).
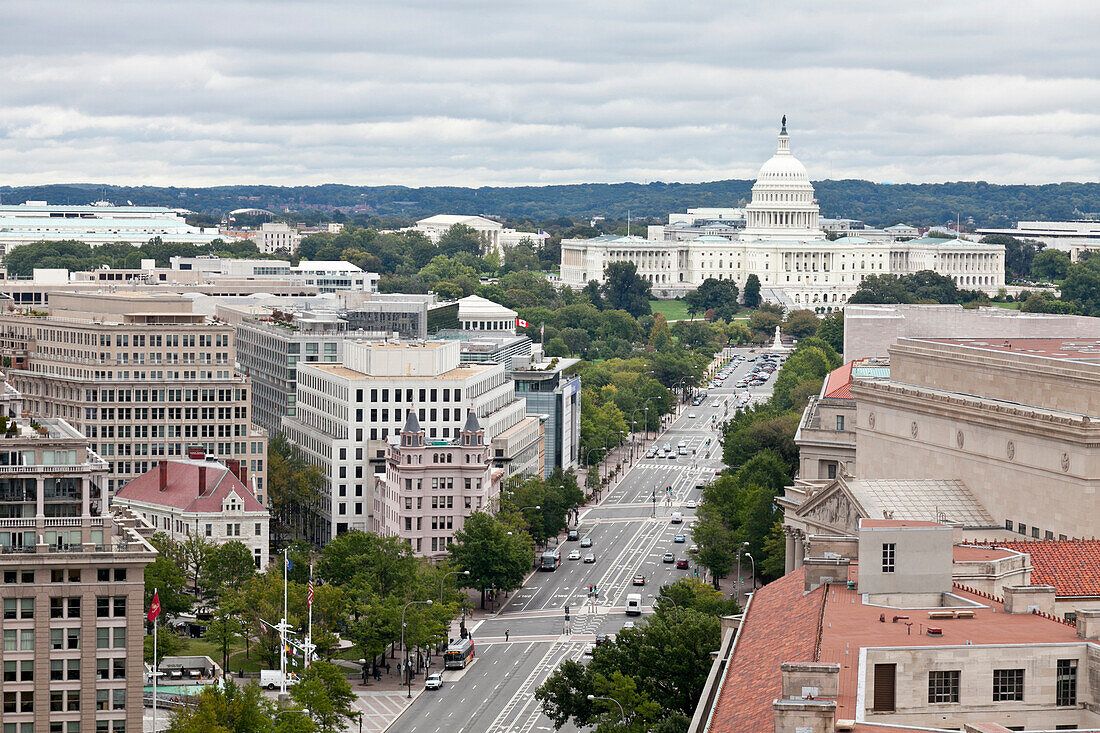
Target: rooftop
(1071,566)
(182,490)
(920,500)
(1065,349)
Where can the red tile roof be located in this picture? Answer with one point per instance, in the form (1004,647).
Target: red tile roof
(782,625)
(838,384)
(1071,566)
(182,488)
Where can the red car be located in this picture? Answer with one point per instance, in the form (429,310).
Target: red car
(681,564)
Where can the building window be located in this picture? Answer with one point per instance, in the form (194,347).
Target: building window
(1008,684)
(1066,691)
(943,686)
(839,422)
(888,550)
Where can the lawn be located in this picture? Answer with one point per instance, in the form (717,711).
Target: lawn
(673,310)
(1009,306)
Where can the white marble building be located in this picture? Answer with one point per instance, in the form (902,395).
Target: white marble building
(783,245)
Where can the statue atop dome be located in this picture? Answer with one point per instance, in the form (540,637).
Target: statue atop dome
(784,130)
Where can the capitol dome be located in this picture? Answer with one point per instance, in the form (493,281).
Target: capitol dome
(783,205)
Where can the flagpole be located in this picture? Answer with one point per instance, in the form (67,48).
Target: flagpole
(282,632)
(156,592)
(309,633)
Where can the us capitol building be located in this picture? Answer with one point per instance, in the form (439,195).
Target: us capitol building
(782,244)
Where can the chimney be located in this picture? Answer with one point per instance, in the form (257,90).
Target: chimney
(202,480)
(1088,623)
(1024,598)
(162,472)
(234,467)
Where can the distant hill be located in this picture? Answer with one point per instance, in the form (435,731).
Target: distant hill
(876,203)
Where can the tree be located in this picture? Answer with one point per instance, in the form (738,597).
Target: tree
(166,576)
(1019,254)
(169,644)
(800,323)
(460,238)
(831,331)
(592,291)
(497,555)
(294,487)
(624,289)
(1050,265)
(696,595)
(326,693)
(236,709)
(225,628)
(195,551)
(752,291)
(716,296)
(228,565)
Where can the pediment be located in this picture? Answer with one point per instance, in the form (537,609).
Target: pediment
(833,508)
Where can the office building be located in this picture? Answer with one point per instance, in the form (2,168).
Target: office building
(276,236)
(494,235)
(875,633)
(270,344)
(551,389)
(410,316)
(99,223)
(334,276)
(196,496)
(1075,236)
(73,587)
(141,376)
(783,245)
(347,413)
(870,330)
(431,486)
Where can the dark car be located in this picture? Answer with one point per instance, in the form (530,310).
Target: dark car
(681,564)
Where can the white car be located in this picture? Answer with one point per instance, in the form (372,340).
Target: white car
(689,504)
(433,681)
(628,625)
(691,415)
(575,555)
(589,648)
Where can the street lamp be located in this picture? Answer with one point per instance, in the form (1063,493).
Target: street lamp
(749,556)
(444,578)
(405,651)
(740,549)
(621,711)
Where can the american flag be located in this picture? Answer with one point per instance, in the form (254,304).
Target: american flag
(309,593)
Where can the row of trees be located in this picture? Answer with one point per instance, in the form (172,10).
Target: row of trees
(78,256)
(655,671)
(758,444)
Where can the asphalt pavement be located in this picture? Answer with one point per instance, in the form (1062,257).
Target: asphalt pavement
(631,530)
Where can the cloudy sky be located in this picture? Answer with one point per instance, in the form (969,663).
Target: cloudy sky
(520,92)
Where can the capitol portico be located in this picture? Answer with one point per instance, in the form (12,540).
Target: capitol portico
(784,247)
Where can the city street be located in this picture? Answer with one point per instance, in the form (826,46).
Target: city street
(631,530)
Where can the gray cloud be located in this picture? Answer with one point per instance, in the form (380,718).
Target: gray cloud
(483,93)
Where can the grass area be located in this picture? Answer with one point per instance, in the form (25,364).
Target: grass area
(237,660)
(1009,306)
(673,310)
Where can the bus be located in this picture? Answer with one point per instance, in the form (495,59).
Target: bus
(459,654)
(551,559)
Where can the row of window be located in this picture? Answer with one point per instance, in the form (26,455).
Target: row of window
(1035,531)
(1008,684)
(70,726)
(425,395)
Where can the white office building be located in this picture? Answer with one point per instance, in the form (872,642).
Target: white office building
(348,412)
(494,235)
(96,224)
(781,243)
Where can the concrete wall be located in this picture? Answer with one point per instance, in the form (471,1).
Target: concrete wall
(976,704)
(922,559)
(869,330)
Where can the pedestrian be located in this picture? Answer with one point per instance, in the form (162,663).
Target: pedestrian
(506,634)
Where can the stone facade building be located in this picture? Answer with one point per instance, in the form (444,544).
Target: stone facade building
(72,588)
(431,486)
(141,376)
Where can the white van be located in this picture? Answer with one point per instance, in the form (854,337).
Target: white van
(633,604)
(677,517)
(273,678)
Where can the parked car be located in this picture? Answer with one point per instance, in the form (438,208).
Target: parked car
(433,681)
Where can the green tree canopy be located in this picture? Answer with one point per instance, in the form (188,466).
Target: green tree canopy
(625,289)
(498,555)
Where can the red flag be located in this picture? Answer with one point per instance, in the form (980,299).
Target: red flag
(154,607)
(522,323)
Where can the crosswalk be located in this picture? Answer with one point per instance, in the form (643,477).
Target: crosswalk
(380,708)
